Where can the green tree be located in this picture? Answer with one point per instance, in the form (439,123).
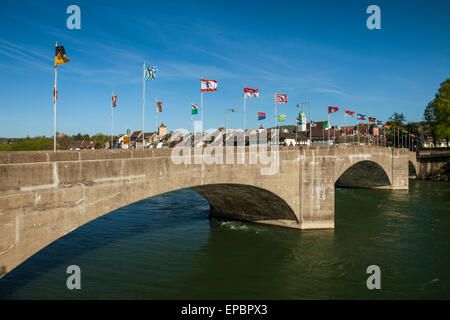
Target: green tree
(437,113)
(398,118)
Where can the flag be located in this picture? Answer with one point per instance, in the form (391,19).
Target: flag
(150,72)
(388,125)
(338,128)
(326,125)
(362,116)
(332,109)
(349,113)
(114,100)
(281,117)
(194,108)
(281,98)
(208,85)
(302,121)
(404,131)
(313,124)
(379,123)
(372,119)
(55,94)
(251,93)
(158,106)
(412,136)
(60,56)
(261,115)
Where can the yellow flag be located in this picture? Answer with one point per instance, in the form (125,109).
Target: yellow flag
(60,56)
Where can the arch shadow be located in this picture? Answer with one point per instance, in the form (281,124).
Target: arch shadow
(364,174)
(412,171)
(245,202)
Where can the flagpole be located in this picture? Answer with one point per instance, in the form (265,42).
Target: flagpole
(275,105)
(192,125)
(156,116)
(54,104)
(143,104)
(310,123)
(357,127)
(345,125)
(244,108)
(329,126)
(201,102)
(112,123)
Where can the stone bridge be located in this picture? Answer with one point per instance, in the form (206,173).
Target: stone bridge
(45,195)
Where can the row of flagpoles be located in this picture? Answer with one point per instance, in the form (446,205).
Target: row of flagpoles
(149,73)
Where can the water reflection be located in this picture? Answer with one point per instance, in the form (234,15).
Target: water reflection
(167,248)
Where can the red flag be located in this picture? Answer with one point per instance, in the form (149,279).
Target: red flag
(332,109)
(251,93)
(158,106)
(281,98)
(261,115)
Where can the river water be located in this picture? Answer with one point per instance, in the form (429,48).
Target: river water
(165,247)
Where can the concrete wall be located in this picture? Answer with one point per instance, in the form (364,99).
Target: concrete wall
(45,195)
(429,163)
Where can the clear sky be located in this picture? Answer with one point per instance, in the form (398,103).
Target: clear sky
(311,50)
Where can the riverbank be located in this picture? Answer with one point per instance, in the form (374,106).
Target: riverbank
(443,174)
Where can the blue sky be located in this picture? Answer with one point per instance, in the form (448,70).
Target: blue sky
(311,50)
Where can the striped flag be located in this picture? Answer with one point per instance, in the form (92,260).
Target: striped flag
(251,93)
(114,100)
(349,113)
(55,94)
(372,119)
(208,85)
(158,106)
(281,117)
(281,98)
(261,115)
(362,116)
(194,108)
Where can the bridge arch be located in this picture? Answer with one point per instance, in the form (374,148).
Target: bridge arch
(245,202)
(363,174)
(227,201)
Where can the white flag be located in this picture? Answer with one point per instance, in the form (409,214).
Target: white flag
(208,85)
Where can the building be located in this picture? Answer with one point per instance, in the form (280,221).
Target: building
(162,130)
(82,145)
